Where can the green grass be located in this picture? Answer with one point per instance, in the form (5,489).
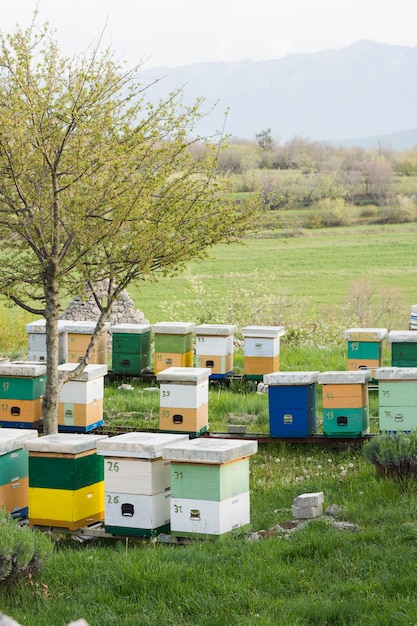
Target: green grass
(319,574)
(312,272)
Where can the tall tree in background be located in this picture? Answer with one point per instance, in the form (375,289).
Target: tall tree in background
(95,184)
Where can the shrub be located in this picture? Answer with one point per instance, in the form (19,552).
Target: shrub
(22,550)
(394,454)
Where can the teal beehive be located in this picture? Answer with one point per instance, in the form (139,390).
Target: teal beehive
(397,395)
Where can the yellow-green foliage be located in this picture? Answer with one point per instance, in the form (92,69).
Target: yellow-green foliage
(13,336)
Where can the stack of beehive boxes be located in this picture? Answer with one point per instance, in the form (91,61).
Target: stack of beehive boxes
(66,480)
(365,348)
(173,345)
(14,470)
(209,486)
(80,407)
(345,403)
(292,403)
(131,349)
(397,394)
(22,385)
(403,348)
(37,340)
(214,348)
(183,393)
(261,349)
(137,483)
(79,336)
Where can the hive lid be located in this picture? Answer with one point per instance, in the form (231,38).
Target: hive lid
(343,377)
(64,443)
(365,334)
(22,369)
(131,329)
(402,336)
(173,328)
(396,373)
(205,450)
(215,330)
(263,331)
(13,438)
(184,374)
(39,327)
(291,378)
(141,445)
(90,372)
(84,327)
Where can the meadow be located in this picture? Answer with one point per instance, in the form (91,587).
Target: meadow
(354,567)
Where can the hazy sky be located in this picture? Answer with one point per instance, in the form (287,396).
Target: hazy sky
(179,32)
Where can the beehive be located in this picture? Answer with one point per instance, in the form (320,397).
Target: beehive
(210,486)
(131,349)
(22,385)
(137,483)
(364,347)
(173,345)
(345,403)
(403,348)
(413,317)
(397,395)
(79,336)
(214,348)
(37,341)
(14,470)
(261,350)
(66,480)
(80,407)
(292,403)
(183,395)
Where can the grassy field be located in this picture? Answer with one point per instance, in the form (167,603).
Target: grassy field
(354,568)
(313,271)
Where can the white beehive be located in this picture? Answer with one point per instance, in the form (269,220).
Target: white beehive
(80,406)
(137,482)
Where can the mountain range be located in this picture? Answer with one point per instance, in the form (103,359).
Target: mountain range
(364,94)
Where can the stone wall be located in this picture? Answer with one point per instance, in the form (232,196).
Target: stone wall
(84,308)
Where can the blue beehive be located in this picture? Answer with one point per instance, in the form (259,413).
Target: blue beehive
(292,403)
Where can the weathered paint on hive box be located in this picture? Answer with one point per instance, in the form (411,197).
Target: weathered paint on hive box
(164,360)
(23,386)
(66,508)
(179,419)
(137,476)
(209,481)
(364,350)
(344,422)
(256,367)
(80,416)
(397,393)
(210,518)
(20,411)
(14,497)
(395,419)
(219,365)
(348,396)
(13,466)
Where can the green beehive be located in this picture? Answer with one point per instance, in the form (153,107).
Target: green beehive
(397,393)
(22,381)
(13,465)
(58,472)
(209,482)
(403,348)
(131,348)
(180,344)
(364,350)
(346,422)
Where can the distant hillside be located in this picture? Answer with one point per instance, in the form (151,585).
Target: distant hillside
(366,90)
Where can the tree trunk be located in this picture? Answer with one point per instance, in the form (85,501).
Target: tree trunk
(52,389)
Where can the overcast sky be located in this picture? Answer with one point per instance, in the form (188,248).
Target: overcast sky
(179,32)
